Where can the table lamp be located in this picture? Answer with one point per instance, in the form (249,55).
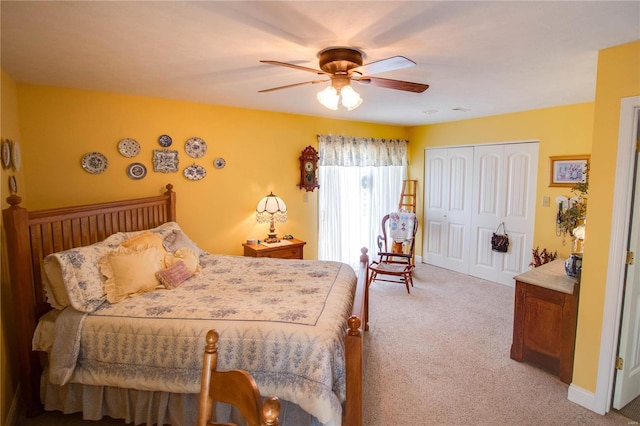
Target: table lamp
(271,209)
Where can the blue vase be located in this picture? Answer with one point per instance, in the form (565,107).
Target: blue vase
(573,265)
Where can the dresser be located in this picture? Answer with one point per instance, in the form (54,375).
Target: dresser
(545,318)
(285,249)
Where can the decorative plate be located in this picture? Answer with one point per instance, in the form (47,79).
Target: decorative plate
(129,147)
(16,156)
(219,163)
(165,160)
(165,140)
(94,162)
(194,172)
(6,154)
(195,147)
(136,171)
(13,185)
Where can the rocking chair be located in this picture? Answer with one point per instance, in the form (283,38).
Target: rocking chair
(399,231)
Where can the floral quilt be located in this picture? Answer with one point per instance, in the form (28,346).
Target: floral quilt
(281,320)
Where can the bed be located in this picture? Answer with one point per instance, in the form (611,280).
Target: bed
(139,359)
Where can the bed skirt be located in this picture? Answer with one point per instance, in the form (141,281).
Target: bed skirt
(146,407)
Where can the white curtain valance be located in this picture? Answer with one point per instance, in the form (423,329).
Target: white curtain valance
(350,151)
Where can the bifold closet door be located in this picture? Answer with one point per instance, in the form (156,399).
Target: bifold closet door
(504,191)
(447,211)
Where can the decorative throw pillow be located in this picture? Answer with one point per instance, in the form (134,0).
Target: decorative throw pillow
(174,275)
(130,271)
(185,255)
(177,239)
(143,240)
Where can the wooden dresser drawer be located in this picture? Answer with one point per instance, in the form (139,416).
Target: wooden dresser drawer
(294,250)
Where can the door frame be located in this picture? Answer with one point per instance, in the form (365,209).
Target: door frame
(600,402)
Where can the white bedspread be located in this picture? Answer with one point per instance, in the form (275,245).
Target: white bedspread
(281,320)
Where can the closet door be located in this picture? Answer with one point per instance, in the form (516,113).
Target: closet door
(504,191)
(447,199)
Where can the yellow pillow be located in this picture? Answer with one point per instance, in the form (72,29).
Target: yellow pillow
(187,255)
(143,240)
(130,271)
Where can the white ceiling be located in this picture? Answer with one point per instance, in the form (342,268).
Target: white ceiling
(482,57)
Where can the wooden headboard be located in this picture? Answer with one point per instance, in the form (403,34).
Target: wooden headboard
(31,236)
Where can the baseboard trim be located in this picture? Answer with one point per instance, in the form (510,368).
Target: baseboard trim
(418,259)
(583,397)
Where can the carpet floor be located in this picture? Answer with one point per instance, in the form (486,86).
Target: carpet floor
(440,356)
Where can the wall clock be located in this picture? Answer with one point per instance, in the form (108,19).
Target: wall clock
(309,169)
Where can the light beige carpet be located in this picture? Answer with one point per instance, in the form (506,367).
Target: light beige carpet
(440,356)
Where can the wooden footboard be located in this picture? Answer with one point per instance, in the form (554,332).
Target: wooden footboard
(356,325)
(31,236)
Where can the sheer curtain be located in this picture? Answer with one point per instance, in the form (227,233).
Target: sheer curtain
(360,181)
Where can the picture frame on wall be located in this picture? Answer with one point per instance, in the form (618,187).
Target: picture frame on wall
(568,170)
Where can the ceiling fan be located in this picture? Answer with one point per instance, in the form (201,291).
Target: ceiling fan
(343,65)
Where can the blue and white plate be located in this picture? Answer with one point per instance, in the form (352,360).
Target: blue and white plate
(194,172)
(165,141)
(136,171)
(195,147)
(94,162)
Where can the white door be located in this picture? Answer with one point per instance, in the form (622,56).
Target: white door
(627,386)
(504,191)
(447,200)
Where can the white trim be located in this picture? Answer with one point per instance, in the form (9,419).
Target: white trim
(615,271)
(582,397)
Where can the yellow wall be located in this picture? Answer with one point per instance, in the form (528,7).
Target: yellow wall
(560,130)
(618,77)
(10,130)
(261,150)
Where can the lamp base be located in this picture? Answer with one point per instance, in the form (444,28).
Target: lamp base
(272,238)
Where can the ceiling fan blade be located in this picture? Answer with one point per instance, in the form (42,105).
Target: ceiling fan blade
(292,85)
(384,65)
(297,67)
(407,86)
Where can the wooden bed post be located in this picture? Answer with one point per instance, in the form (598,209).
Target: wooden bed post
(172,204)
(353,409)
(16,220)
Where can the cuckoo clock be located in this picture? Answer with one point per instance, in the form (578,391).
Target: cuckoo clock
(309,169)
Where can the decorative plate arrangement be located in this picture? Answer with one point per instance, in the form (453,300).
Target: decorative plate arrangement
(6,154)
(194,172)
(16,156)
(94,162)
(165,141)
(128,147)
(136,171)
(195,147)
(219,163)
(165,160)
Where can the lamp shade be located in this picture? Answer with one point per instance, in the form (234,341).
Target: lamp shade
(271,207)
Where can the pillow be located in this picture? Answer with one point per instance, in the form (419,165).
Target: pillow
(174,275)
(177,240)
(143,240)
(73,278)
(130,271)
(185,255)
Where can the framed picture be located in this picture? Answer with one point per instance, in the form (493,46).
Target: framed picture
(567,170)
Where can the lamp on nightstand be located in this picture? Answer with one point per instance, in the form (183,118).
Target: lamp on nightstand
(271,209)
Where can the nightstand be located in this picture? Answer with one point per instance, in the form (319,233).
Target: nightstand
(286,249)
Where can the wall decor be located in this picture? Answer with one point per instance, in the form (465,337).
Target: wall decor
(165,140)
(194,172)
(165,160)
(13,185)
(568,170)
(136,171)
(128,147)
(309,169)
(94,162)
(16,155)
(195,147)
(6,154)
(219,163)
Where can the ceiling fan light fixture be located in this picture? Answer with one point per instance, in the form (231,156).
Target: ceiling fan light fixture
(329,98)
(350,98)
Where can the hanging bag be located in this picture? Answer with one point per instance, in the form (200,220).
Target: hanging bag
(500,242)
